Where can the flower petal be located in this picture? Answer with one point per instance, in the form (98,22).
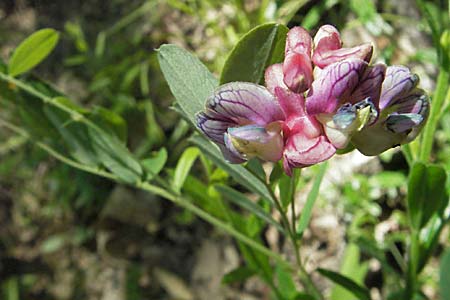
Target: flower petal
(328,49)
(298,72)
(370,86)
(213,126)
(348,119)
(244,103)
(273,77)
(336,82)
(325,58)
(299,41)
(230,153)
(301,151)
(403,122)
(265,143)
(398,83)
(293,106)
(327,38)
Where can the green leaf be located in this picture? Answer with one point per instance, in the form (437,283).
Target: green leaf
(285,284)
(74,134)
(110,122)
(360,292)
(285,190)
(241,200)
(353,269)
(184,166)
(32,51)
(311,199)
(388,179)
(239,275)
(426,193)
(155,164)
(444,278)
(255,51)
(115,156)
(238,172)
(189,80)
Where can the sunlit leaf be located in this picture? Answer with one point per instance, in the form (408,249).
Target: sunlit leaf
(357,290)
(312,197)
(32,51)
(426,193)
(155,164)
(256,50)
(183,167)
(189,80)
(115,156)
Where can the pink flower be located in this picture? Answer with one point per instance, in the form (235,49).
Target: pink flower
(302,54)
(304,141)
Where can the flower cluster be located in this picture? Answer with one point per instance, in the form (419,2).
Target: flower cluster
(319,99)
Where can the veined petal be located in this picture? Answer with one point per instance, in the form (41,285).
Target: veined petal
(328,49)
(398,83)
(213,126)
(323,58)
(336,82)
(230,153)
(293,106)
(245,103)
(370,86)
(301,151)
(265,143)
(327,38)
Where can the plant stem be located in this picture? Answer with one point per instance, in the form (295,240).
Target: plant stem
(414,254)
(303,274)
(435,114)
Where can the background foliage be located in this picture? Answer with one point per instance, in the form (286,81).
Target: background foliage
(86,229)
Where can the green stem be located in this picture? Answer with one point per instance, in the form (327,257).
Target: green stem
(435,114)
(406,149)
(305,278)
(414,254)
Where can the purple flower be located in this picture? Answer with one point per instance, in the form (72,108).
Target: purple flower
(244,120)
(344,98)
(403,108)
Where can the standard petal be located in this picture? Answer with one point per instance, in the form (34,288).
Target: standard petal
(370,86)
(213,126)
(322,58)
(328,48)
(245,103)
(398,83)
(336,83)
